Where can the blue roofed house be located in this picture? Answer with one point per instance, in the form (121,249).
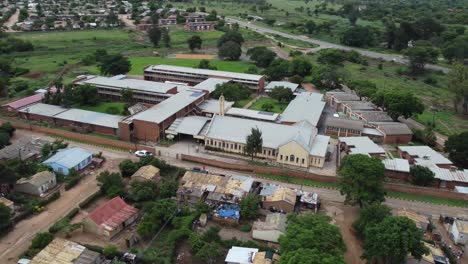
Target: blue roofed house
(70,158)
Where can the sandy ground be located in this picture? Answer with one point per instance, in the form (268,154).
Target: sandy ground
(128,22)
(11,22)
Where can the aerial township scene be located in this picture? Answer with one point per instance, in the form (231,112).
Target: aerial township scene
(239,132)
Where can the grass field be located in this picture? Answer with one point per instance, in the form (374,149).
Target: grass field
(138,63)
(277,106)
(105,107)
(446,122)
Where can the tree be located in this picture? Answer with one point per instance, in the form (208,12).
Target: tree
(249,207)
(419,56)
(398,102)
(194,42)
(261,56)
(458,86)
(114,65)
(166,38)
(158,213)
(267,107)
(110,251)
(85,95)
(313,236)
(456,49)
(392,241)
(421,175)
(254,142)
(126,95)
(277,70)
(230,50)
(231,36)
(231,91)
(5,217)
(155,35)
(457,150)
(328,77)
(128,168)
(300,66)
(282,94)
(111,184)
(205,64)
(331,57)
(41,240)
(7,128)
(168,189)
(209,252)
(143,191)
(363,88)
(358,36)
(371,215)
(361,180)
(310,26)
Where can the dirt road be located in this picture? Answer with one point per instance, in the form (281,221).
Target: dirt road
(12,21)
(128,22)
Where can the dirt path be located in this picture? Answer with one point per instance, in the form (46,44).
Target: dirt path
(12,21)
(128,22)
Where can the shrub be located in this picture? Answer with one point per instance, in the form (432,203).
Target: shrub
(246,228)
(71,182)
(73,212)
(50,199)
(90,199)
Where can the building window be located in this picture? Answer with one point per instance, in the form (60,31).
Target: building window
(297,160)
(291,158)
(303,161)
(281,157)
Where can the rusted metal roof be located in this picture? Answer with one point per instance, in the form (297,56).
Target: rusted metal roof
(113,213)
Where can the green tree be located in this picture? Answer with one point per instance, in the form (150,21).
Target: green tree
(331,57)
(126,95)
(128,167)
(358,36)
(420,55)
(310,26)
(314,236)
(363,88)
(231,36)
(158,213)
(230,50)
(4,140)
(361,180)
(249,207)
(261,56)
(282,94)
(110,251)
(155,35)
(166,38)
(142,191)
(111,184)
(231,91)
(205,64)
(267,107)
(115,64)
(5,216)
(392,240)
(7,128)
(457,150)
(300,66)
(421,175)
(209,252)
(194,42)
(458,86)
(85,95)
(277,70)
(371,215)
(398,102)
(41,240)
(254,142)
(168,189)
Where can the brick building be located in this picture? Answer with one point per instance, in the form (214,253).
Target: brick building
(341,127)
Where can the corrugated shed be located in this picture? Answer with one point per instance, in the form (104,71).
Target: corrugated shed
(113,213)
(59,251)
(25,101)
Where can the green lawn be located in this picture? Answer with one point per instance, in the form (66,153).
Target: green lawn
(277,106)
(242,103)
(138,63)
(446,122)
(115,108)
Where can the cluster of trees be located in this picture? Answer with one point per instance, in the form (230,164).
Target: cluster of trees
(194,42)
(387,239)
(6,132)
(7,72)
(68,96)
(157,34)
(231,91)
(261,55)
(10,44)
(111,184)
(457,150)
(296,69)
(282,94)
(458,86)
(108,64)
(398,103)
(205,64)
(230,45)
(310,238)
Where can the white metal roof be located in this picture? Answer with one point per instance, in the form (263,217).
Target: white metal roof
(90,117)
(425,154)
(212,106)
(190,125)
(254,114)
(396,165)
(319,146)
(133,84)
(43,109)
(169,107)
(450,174)
(461,189)
(306,106)
(207,73)
(241,255)
(371,131)
(362,145)
(290,85)
(210,84)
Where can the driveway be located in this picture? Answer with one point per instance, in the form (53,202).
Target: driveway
(372,54)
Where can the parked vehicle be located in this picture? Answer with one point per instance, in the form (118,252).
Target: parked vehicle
(143,153)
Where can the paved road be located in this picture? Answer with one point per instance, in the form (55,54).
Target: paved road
(371,54)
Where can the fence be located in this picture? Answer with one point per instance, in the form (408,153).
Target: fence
(322,178)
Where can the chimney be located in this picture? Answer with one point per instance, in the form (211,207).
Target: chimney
(221,105)
(453,168)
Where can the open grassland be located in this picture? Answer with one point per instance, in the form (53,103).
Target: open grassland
(278,107)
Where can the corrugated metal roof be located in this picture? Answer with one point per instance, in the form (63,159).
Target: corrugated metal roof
(362,145)
(396,165)
(462,225)
(25,101)
(90,117)
(213,106)
(59,251)
(282,194)
(207,73)
(342,96)
(189,125)
(374,116)
(425,154)
(345,123)
(38,179)
(43,109)
(393,128)
(146,172)
(450,174)
(273,221)
(113,213)
(69,157)
(306,106)
(210,84)
(290,85)
(254,114)
(133,84)
(360,105)
(241,255)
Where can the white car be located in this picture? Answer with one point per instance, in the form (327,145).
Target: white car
(143,153)
(23,261)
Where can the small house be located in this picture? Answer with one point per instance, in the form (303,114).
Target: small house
(270,230)
(280,200)
(38,184)
(459,231)
(241,255)
(70,158)
(397,169)
(110,218)
(62,251)
(146,173)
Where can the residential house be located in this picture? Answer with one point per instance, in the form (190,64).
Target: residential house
(271,229)
(459,231)
(62,251)
(38,184)
(397,169)
(147,173)
(421,155)
(70,158)
(25,148)
(240,255)
(278,198)
(110,218)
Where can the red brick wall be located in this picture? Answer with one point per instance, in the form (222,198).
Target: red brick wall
(146,131)
(124,131)
(397,139)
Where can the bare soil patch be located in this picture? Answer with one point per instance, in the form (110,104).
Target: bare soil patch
(34,75)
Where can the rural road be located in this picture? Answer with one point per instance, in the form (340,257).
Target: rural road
(324,44)
(11,21)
